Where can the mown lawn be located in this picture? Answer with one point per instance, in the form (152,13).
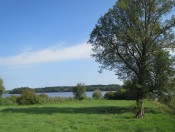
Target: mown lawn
(85,116)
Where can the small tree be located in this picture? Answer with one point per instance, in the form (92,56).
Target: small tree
(121,94)
(79,91)
(109,95)
(97,94)
(28,97)
(2,88)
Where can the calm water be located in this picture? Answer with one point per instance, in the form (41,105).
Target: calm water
(57,94)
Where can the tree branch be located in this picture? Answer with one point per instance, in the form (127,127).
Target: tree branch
(125,62)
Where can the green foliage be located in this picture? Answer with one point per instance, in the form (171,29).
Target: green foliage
(2,88)
(130,90)
(57,100)
(28,97)
(19,90)
(162,81)
(5,101)
(11,100)
(121,94)
(43,98)
(132,39)
(110,87)
(97,94)
(168,100)
(43,95)
(109,95)
(79,91)
(171,103)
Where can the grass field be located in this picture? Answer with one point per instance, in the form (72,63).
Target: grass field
(85,116)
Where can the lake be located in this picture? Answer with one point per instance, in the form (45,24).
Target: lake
(58,94)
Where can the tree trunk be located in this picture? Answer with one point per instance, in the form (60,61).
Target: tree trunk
(140,109)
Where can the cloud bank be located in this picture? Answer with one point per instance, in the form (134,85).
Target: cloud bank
(53,54)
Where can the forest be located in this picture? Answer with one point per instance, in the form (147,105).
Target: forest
(110,87)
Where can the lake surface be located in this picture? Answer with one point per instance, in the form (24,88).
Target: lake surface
(58,94)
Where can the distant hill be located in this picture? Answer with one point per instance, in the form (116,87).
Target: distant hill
(110,87)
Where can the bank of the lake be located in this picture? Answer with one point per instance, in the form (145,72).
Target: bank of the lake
(57,94)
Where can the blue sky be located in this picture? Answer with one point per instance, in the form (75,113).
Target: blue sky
(43,43)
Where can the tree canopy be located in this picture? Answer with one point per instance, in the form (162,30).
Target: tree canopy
(131,36)
(134,39)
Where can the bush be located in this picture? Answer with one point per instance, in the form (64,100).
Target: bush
(4,101)
(2,88)
(109,95)
(43,98)
(168,100)
(120,94)
(43,95)
(12,98)
(79,91)
(97,94)
(28,97)
(8,100)
(130,90)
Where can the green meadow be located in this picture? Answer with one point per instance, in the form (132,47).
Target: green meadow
(86,116)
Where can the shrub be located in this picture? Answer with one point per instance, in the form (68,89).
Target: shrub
(169,100)
(43,98)
(2,88)
(7,101)
(79,91)
(4,101)
(109,95)
(120,94)
(12,98)
(28,97)
(97,94)
(43,95)
(130,90)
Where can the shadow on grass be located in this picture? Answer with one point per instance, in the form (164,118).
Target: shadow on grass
(152,110)
(73,110)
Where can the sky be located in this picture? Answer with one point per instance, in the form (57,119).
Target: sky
(44,43)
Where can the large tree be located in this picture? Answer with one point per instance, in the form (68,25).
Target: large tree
(130,38)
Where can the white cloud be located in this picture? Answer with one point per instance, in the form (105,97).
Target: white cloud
(53,54)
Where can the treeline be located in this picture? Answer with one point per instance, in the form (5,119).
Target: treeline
(111,87)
